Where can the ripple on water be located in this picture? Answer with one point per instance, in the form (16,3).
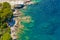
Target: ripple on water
(45,19)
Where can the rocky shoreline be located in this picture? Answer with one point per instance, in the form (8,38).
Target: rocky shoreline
(15,28)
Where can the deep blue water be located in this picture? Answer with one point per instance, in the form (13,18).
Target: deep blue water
(46,15)
(11,23)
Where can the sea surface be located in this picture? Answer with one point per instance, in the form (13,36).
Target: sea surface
(46,21)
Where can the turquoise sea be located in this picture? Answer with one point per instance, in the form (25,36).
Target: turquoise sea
(46,25)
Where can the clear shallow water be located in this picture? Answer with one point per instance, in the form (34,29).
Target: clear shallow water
(46,15)
(36,0)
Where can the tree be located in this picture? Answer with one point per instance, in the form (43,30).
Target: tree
(5,14)
(4,25)
(6,5)
(0,5)
(6,36)
(8,13)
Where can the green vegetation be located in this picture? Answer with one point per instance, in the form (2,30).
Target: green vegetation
(6,36)
(5,15)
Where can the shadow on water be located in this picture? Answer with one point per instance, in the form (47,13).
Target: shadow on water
(11,23)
